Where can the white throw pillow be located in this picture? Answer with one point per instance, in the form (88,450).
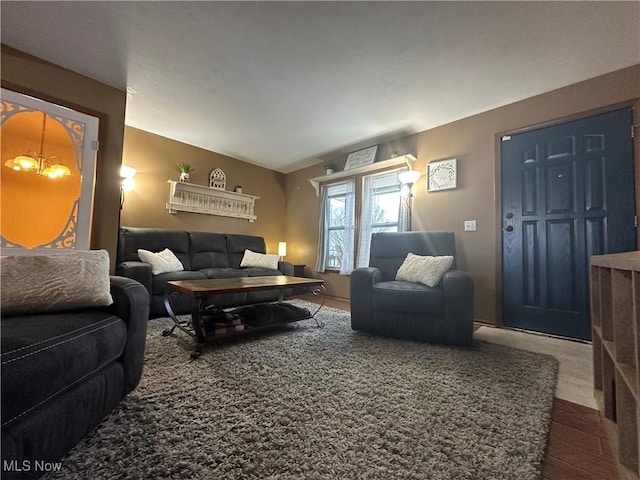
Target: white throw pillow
(424,269)
(56,282)
(161,262)
(262,260)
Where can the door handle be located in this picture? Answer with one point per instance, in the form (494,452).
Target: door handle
(508,228)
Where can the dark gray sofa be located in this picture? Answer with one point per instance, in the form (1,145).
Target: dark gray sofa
(63,372)
(382,305)
(203,255)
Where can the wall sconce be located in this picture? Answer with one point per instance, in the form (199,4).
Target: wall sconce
(282,250)
(407,179)
(126,181)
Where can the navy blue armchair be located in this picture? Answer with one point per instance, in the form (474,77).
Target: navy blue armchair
(384,306)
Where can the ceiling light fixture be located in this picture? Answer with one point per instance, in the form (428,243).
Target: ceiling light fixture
(37,163)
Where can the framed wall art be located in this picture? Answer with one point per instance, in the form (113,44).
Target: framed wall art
(361,158)
(441,175)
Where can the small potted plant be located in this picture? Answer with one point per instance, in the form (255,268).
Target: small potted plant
(329,167)
(185,171)
(237,189)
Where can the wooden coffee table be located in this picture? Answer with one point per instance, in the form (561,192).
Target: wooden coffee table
(201,290)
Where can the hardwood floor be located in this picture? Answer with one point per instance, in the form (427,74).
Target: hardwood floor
(577,448)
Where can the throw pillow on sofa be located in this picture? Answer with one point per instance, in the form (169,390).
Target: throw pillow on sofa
(56,282)
(424,269)
(161,262)
(261,260)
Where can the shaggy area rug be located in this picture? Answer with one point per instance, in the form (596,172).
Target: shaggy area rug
(302,402)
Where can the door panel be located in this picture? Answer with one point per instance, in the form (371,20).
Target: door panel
(561,282)
(567,194)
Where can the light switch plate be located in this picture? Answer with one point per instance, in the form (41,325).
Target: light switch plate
(470,226)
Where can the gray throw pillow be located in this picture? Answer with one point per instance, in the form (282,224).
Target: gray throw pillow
(56,282)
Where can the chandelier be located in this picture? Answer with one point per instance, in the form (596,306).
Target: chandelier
(37,162)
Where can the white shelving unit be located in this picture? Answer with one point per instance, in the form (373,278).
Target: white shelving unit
(189,197)
(392,162)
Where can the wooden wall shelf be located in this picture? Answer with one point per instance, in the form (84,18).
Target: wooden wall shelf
(615,319)
(189,197)
(392,162)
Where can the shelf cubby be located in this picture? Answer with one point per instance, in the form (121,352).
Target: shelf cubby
(622,300)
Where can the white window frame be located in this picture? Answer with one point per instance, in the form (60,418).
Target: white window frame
(334,228)
(360,245)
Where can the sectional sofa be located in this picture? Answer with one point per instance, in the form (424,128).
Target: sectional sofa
(73,341)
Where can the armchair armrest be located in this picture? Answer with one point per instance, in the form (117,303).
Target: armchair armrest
(361,287)
(138,271)
(458,294)
(131,304)
(286,268)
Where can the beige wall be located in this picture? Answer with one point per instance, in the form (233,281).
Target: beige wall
(288,208)
(474,142)
(154,157)
(155,160)
(32,76)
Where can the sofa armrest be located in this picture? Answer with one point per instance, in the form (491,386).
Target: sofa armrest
(138,271)
(131,304)
(286,268)
(458,294)
(361,291)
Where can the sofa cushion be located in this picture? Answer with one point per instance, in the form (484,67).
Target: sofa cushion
(54,351)
(237,244)
(56,282)
(404,296)
(223,273)
(261,272)
(159,282)
(155,240)
(161,262)
(389,249)
(208,250)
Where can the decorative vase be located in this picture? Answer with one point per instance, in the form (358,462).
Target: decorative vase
(184,177)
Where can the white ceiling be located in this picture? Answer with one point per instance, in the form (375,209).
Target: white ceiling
(280,84)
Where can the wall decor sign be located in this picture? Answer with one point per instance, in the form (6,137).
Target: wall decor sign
(361,158)
(441,175)
(218,179)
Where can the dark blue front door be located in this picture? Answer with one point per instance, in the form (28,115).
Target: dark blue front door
(567,194)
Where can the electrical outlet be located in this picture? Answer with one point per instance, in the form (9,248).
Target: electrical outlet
(470,226)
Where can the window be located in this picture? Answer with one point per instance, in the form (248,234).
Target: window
(336,213)
(343,243)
